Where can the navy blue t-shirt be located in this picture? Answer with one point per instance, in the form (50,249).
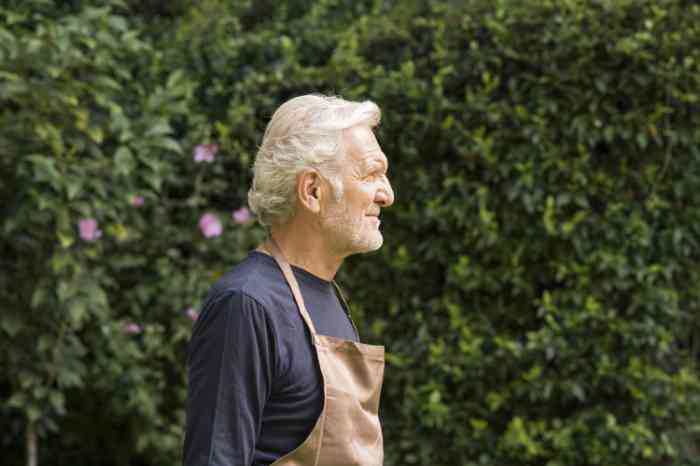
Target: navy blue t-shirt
(255,389)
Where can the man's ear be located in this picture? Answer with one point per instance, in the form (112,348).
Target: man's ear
(309,190)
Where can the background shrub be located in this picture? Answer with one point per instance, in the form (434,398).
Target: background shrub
(537,288)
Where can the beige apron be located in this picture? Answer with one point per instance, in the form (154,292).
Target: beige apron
(347,433)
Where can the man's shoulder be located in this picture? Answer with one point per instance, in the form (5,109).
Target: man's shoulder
(256,278)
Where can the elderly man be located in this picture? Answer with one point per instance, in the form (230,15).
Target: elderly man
(277,373)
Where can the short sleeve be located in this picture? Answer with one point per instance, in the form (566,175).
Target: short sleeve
(231,368)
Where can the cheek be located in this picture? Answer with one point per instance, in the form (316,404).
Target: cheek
(369,193)
(360,197)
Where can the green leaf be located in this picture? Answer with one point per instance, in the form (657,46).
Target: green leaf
(158,129)
(11,324)
(44,168)
(124,161)
(77,312)
(175,78)
(167,143)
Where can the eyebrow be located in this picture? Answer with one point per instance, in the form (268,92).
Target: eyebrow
(376,161)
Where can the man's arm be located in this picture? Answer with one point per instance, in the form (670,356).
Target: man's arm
(231,364)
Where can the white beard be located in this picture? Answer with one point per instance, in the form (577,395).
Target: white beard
(350,234)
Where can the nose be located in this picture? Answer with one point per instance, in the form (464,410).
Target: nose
(385,194)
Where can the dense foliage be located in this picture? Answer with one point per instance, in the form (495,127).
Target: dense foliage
(539,280)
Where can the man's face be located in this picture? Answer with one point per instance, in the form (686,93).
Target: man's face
(352,222)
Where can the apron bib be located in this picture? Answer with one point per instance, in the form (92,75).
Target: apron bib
(347,433)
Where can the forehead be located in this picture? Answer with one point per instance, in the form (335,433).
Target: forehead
(362,146)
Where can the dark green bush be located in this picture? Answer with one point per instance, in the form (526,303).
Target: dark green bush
(539,280)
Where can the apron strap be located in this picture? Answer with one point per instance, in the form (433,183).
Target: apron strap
(346,307)
(274,250)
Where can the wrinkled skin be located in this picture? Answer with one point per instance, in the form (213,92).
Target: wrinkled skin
(352,222)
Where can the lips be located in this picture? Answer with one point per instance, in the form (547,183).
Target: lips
(374,218)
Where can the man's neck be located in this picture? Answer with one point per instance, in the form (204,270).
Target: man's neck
(305,248)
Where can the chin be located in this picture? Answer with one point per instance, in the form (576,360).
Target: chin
(371,243)
(354,238)
(377,242)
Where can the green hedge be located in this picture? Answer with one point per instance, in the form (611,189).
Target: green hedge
(540,275)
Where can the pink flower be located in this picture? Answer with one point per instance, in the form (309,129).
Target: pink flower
(88,229)
(137,201)
(205,152)
(192,314)
(132,328)
(210,225)
(241,215)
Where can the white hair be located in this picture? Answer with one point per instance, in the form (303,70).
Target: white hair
(304,132)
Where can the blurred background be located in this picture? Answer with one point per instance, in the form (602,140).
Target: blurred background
(539,285)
